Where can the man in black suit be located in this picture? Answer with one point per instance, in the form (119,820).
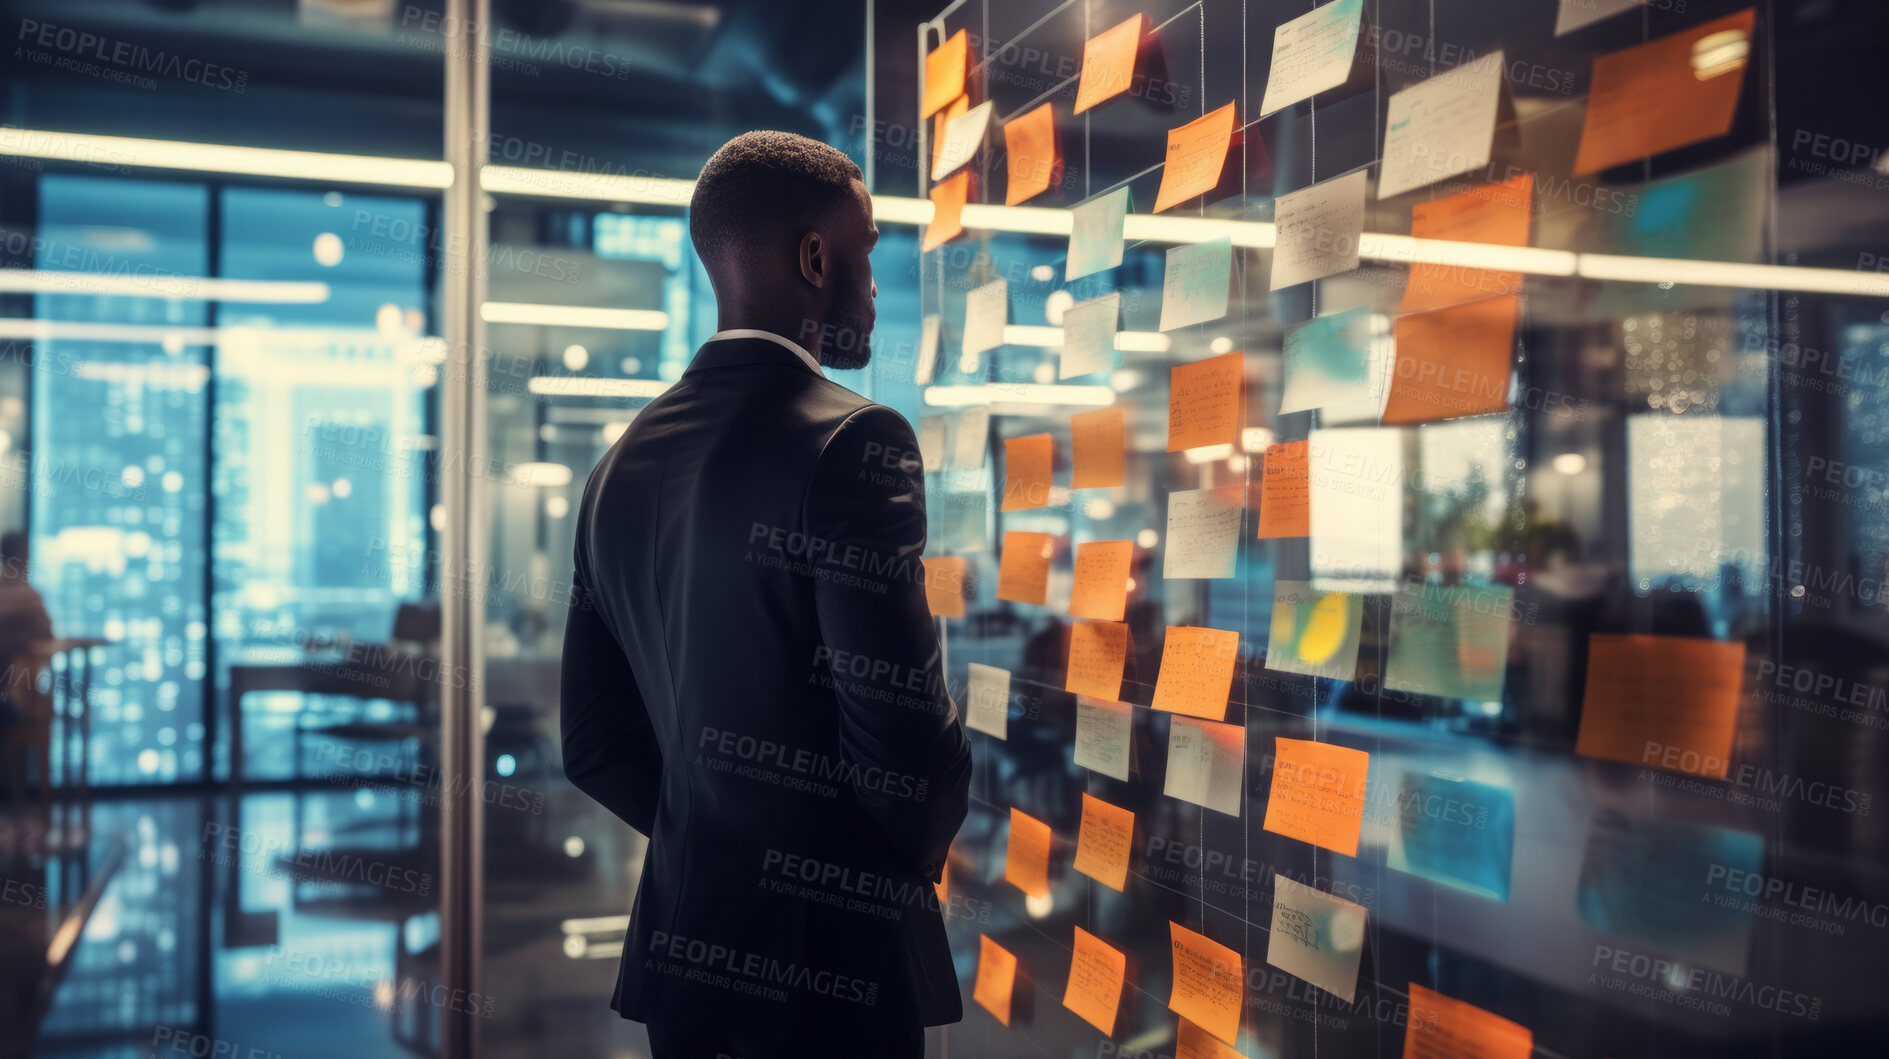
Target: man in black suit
(751,675)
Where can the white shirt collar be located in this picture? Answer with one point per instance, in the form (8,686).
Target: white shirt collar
(750,332)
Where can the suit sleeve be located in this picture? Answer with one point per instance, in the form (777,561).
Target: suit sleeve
(610,750)
(906,753)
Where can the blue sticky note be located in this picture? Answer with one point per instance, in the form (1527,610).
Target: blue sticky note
(1654,881)
(1457,832)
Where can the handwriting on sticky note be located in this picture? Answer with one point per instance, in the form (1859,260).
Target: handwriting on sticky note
(1197,671)
(945,577)
(1312,53)
(1026,857)
(1197,283)
(945,68)
(1665,702)
(1103,842)
(1204,402)
(1453,362)
(1101,588)
(1318,794)
(1203,764)
(1203,537)
(1096,970)
(1027,468)
(1196,154)
(947,211)
(1318,230)
(996,978)
(1108,62)
(1023,569)
(1285,491)
(1101,448)
(1207,983)
(1035,161)
(1441,1027)
(1494,215)
(1665,94)
(1316,936)
(987,705)
(1441,127)
(1098,650)
(1103,732)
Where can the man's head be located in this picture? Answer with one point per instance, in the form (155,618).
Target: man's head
(783,224)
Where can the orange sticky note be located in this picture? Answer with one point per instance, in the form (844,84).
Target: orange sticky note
(1204,402)
(1196,1043)
(1096,969)
(1318,794)
(1023,571)
(940,123)
(1666,93)
(944,585)
(1453,362)
(1196,671)
(996,978)
(1101,589)
(1496,214)
(1666,702)
(1441,1027)
(1102,844)
(1197,152)
(1108,62)
(1101,448)
(1285,491)
(947,210)
(1026,858)
(1098,650)
(1207,983)
(1027,462)
(945,68)
(1035,156)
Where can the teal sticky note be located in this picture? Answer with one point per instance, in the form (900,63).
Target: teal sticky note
(1456,832)
(1197,283)
(1338,362)
(1095,234)
(1664,882)
(1449,640)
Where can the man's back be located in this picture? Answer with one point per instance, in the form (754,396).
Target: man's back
(752,680)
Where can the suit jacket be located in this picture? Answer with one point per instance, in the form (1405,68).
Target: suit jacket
(752,679)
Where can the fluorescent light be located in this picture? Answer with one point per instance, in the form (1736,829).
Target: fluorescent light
(573,316)
(181,288)
(317,166)
(1018,393)
(891,209)
(1035,220)
(604,187)
(1052,338)
(581,386)
(1145,227)
(549,475)
(1408,250)
(597,925)
(1733,274)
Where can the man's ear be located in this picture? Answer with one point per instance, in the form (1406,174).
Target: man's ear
(813,263)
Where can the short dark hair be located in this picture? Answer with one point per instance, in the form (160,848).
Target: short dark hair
(760,180)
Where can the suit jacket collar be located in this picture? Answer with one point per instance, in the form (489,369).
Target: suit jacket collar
(729,352)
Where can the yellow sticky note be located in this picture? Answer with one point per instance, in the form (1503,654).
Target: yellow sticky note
(1197,152)
(1035,160)
(1207,983)
(1027,467)
(1318,794)
(1441,1027)
(1204,402)
(1196,671)
(944,585)
(1101,589)
(1196,1043)
(1665,702)
(1285,491)
(1026,858)
(1102,844)
(1096,970)
(1453,362)
(945,68)
(1098,650)
(1494,214)
(947,210)
(1665,94)
(1023,570)
(1108,62)
(996,978)
(1101,448)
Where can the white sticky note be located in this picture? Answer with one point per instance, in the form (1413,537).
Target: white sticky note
(1441,127)
(964,134)
(987,701)
(931,441)
(1204,759)
(1577,13)
(1197,283)
(1340,363)
(928,332)
(1203,533)
(1357,497)
(1316,937)
(1089,336)
(1318,230)
(1103,732)
(986,311)
(1095,234)
(1312,53)
(970,437)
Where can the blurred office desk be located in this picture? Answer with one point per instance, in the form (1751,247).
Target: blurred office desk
(46,911)
(363,672)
